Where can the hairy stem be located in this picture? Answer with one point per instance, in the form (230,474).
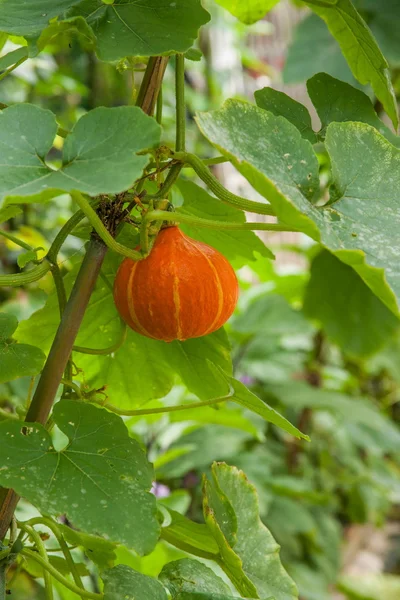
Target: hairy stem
(222,193)
(47,522)
(16,240)
(18,279)
(163,409)
(41,549)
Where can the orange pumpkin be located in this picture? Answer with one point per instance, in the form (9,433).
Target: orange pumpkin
(183,289)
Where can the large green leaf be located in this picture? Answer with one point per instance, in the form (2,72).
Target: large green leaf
(29,18)
(153,27)
(123,583)
(337,101)
(253,562)
(282,166)
(156,364)
(16,360)
(350,313)
(314,50)
(186,577)
(100,480)
(248,11)
(99,155)
(282,105)
(360,49)
(238,246)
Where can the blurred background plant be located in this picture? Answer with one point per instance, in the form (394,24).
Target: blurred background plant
(333,505)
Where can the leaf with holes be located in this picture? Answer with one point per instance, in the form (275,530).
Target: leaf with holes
(360,223)
(282,105)
(16,360)
(100,480)
(99,155)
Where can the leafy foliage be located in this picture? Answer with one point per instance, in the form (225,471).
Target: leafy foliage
(102,139)
(91,479)
(16,360)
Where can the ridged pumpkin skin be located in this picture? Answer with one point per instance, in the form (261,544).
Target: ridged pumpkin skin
(183,289)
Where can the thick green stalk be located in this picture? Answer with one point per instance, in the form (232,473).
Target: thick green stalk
(40,547)
(180,117)
(18,279)
(180,103)
(176,217)
(47,522)
(215,186)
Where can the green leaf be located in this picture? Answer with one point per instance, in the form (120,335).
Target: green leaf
(99,155)
(272,316)
(235,245)
(9,212)
(189,536)
(360,49)
(186,577)
(336,101)
(280,165)
(135,29)
(16,360)
(97,549)
(351,315)
(33,18)
(76,26)
(252,402)
(282,105)
(370,587)
(253,563)
(123,583)
(157,364)
(26,257)
(248,11)
(99,480)
(314,50)
(12,57)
